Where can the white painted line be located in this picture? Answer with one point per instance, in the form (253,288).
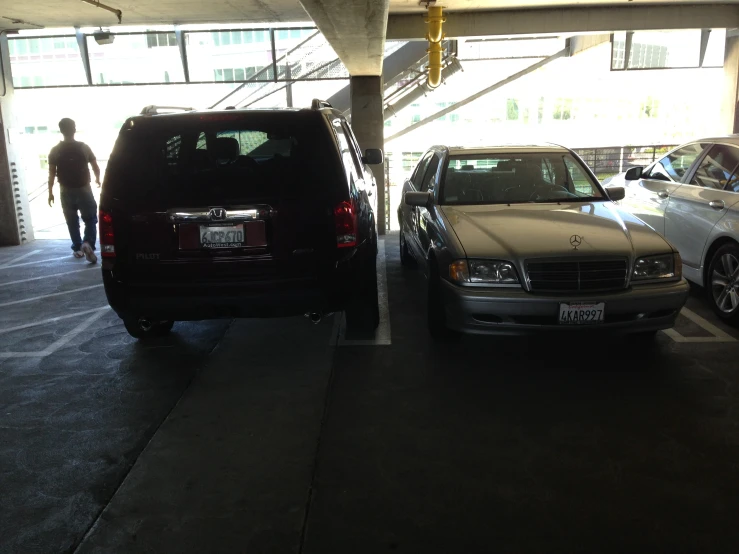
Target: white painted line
(677,337)
(74,332)
(39,262)
(45,276)
(718,334)
(382,333)
(708,326)
(51,320)
(14,302)
(19,258)
(59,343)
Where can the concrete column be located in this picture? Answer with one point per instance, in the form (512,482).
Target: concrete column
(15,214)
(368,124)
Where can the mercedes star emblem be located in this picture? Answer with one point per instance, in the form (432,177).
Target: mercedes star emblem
(575,241)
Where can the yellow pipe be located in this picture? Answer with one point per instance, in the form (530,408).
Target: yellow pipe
(434,22)
(435,66)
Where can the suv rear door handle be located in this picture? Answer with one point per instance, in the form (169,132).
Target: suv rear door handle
(717,204)
(663,194)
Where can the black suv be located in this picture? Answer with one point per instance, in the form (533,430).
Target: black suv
(236,213)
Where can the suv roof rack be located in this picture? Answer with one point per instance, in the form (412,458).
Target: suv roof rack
(319,104)
(154,110)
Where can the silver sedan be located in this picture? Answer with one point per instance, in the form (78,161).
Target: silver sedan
(520,239)
(691,196)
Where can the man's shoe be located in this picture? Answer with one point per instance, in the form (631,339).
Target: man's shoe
(78,254)
(89,254)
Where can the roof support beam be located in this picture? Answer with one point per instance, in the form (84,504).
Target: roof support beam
(183,52)
(569,20)
(84,54)
(495,86)
(355,29)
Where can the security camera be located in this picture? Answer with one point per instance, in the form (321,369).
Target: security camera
(103,38)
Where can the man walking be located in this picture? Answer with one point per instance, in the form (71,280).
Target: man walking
(68,162)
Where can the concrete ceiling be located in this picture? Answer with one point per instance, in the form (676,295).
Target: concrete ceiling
(412,6)
(355,28)
(70,13)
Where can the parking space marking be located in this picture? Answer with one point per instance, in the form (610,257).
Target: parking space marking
(382,333)
(19,258)
(718,334)
(36,262)
(50,320)
(63,341)
(14,302)
(45,277)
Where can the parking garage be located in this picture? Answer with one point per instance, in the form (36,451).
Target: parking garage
(292,435)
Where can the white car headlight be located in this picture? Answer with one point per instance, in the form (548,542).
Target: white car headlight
(494,272)
(658,268)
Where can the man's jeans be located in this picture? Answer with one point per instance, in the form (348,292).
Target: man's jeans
(82,200)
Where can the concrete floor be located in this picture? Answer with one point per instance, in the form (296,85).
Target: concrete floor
(272,436)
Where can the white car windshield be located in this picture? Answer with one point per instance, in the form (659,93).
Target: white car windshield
(517,179)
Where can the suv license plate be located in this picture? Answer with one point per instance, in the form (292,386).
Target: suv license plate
(221,236)
(581,313)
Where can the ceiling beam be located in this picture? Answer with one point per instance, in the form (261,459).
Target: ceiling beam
(569,20)
(355,29)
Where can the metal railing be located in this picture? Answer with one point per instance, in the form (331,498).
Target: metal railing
(610,160)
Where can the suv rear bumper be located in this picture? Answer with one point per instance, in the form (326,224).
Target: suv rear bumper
(190,302)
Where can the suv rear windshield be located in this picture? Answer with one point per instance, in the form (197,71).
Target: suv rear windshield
(517,178)
(248,157)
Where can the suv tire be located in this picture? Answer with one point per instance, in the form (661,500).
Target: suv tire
(153,330)
(363,314)
(724,271)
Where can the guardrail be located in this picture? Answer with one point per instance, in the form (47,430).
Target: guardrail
(610,160)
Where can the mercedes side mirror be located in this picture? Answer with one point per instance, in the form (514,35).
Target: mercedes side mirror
(373,156)
(419,199)
(616,193)
(634,173)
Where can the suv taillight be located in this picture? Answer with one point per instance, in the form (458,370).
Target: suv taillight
(107,242)
(345,216)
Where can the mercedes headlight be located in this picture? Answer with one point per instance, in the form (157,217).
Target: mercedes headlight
(658,268)
(494,272)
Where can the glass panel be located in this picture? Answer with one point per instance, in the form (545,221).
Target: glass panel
(657,49)
(66,69)
(130,60)
(208,53)
(307,59)
(517,178)
(618,50)
(717,167)
(715,49)
(477,49)
(304,92)
(673,166)
(182,158)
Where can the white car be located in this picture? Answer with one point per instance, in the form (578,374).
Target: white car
(691,197)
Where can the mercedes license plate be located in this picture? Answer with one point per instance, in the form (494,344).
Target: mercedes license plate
(581,313)
(222,236)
